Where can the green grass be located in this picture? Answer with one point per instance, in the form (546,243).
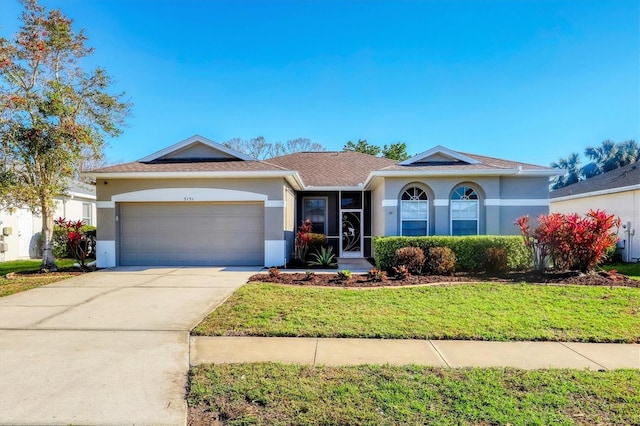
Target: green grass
(16,285)
(276,394)
(468,311)
(30,265)
(631,270)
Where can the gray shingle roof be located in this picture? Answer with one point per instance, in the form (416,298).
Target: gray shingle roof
(81,187)
(486,163)
(618,178)
(202,166)
(322,169)
(342,168)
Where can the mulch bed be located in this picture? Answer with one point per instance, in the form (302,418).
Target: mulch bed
(361,280)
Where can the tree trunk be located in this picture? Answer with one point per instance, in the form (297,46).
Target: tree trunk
(48,259)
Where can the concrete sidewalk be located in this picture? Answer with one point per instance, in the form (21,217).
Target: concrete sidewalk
(439,353)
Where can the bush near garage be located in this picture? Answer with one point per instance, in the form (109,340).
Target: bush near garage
(469,250)
(75,240)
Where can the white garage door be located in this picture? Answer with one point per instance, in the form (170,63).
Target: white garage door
(191,234)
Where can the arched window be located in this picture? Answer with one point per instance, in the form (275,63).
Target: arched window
(464,211)
(414,212)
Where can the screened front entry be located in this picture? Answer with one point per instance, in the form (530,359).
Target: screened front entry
(351,214)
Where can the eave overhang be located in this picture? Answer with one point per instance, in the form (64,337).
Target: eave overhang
(596,193)
(293,178)
(461,173)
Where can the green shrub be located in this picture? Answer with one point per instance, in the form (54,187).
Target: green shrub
(469,250)
(441,261)
(315,240)
(495,260)
(343,275)
(410,257)
(61,249)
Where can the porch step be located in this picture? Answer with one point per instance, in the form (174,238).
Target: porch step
(354,264)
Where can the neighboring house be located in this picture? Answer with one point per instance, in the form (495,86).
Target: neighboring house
(23,228)
(200,203)
(616,192)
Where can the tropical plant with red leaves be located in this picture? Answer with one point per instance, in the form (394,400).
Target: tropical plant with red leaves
(78,241)
(303,240)
(570,241)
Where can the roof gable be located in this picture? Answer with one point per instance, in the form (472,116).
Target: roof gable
(196,148)
(439,154)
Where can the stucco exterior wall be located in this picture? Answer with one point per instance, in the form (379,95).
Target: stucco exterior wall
(502,201)
(625,205)
(378,211)
(271,187)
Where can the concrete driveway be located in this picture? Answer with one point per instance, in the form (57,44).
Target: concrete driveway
(110,347)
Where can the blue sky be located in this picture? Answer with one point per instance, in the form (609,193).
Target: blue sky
(522,80)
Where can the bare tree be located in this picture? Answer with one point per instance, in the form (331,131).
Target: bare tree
(256,147)
(295,145)
(260,149)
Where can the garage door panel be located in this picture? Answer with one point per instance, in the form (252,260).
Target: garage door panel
(191,234)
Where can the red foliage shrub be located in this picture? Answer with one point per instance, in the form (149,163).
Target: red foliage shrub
(441,261)
(78,242)
(570,241)
(410,257)
(303,240)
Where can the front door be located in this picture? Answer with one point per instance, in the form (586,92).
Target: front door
(351,233)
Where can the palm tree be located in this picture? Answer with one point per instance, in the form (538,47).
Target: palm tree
(610,156)
(602,157)
(628,152)
(573,172)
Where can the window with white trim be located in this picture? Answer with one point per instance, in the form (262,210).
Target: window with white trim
(87,213)
(414,212)
(315,209)
(464,211)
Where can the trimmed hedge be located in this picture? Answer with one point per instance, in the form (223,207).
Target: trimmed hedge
(469,250)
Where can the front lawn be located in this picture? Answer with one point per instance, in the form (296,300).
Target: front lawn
(277,394)
(31,265)
(16,285)
(467,311)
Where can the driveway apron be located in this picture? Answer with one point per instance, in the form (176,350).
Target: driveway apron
(106,348)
